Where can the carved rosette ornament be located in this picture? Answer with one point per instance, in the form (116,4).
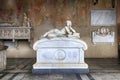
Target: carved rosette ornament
(60,55)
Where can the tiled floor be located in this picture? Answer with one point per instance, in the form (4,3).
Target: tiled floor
(100,69)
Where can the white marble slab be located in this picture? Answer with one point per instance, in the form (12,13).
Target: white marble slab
(103,17)
(60,53)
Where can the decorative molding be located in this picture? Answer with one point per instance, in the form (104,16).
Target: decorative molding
(15,33)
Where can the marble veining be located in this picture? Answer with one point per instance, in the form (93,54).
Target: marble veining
(103,17)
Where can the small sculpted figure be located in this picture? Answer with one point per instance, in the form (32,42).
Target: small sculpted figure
(103,31)
(26,21)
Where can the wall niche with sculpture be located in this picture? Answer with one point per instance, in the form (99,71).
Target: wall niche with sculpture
(10,30)
(106,19)
(15,22)
(103,35)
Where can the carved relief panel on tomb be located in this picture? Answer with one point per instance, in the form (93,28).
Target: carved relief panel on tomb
(103,35)
(15,33)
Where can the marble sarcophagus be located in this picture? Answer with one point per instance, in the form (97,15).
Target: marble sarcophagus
(60,55)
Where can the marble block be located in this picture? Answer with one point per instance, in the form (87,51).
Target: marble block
(60,55)
(103,17)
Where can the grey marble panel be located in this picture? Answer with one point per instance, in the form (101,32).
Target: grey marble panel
(103,17)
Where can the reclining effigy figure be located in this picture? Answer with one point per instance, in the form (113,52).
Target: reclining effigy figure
(67,31)
(60,51)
